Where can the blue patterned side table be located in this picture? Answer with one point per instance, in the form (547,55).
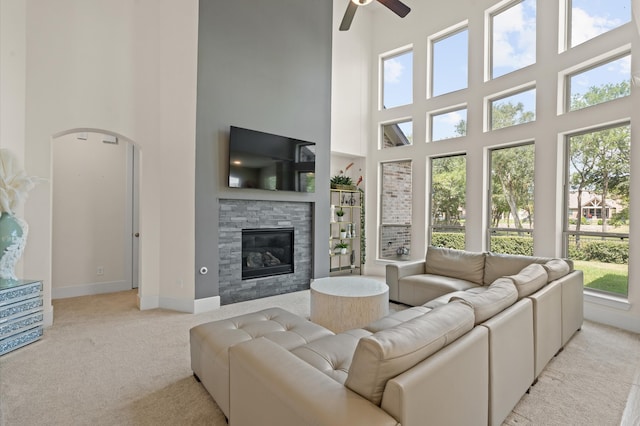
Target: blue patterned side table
(21,313)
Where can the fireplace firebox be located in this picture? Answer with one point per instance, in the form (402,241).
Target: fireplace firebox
(267,252)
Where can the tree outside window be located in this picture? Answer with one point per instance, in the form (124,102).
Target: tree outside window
(448,201)
(512,206)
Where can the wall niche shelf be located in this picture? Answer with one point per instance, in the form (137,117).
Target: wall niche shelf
(346,231)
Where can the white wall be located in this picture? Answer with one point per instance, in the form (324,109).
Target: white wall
(90,216)
(127,67)
(350,83)
(388,32)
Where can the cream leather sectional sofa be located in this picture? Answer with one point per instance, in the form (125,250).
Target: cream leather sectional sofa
(464,355)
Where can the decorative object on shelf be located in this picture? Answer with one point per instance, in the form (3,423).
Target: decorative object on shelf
(343,233)
(340,214)
(342,247)
(353,259)
(342,181)
(402,251)
(333,212)
(348,233)
(14,187)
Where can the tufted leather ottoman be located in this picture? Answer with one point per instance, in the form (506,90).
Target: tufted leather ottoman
(210,343)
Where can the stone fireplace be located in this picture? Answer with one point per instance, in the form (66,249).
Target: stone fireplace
(264,227)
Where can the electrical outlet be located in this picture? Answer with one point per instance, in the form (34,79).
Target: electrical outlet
(100,270)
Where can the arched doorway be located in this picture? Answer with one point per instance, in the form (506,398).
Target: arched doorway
(94,213)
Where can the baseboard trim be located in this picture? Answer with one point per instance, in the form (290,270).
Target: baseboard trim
(206,304)
(89,289)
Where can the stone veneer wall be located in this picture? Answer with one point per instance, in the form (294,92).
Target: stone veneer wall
(236,215)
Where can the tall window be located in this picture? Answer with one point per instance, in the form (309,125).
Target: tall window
(513,37)
(397,134)
(513,109)
(512,174)
(397,89)
(590,18)
(602,83)
(448,201)
(450,62)
(597,205)
(395,215)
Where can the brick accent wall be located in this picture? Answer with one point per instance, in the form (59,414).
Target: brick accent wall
(236,215)
(396,208)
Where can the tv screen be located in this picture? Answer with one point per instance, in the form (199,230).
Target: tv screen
(265,161)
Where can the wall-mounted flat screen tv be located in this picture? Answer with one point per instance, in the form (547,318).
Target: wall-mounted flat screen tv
(262,160)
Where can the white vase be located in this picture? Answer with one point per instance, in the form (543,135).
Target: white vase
(343,234)
(13,238)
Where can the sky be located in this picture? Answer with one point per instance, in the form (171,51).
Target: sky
(514,41)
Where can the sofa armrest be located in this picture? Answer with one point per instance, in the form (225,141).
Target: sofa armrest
(396,271)
(271,386)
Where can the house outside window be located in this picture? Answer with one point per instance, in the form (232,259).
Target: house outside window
(397,134)
(597,206)
(395,205)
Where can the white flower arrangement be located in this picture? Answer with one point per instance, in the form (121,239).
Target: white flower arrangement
(14,182)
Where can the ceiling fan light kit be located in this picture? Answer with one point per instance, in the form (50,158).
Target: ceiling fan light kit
(396,6)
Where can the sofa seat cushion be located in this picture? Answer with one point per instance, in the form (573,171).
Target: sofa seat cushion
(492,300)
(498,265)
(419,289)
(332,354)
(465,265)
(390,352)
(396,318)
(556,268)
(529,280)
(282,327)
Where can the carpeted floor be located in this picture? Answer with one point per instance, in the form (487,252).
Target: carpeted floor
(104,362)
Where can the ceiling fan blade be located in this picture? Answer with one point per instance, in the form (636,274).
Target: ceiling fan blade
(348,16)
(396,7)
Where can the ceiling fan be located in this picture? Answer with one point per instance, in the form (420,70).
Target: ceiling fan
(396,7)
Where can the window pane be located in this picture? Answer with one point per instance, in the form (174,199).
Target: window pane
(512,110)
(396,201)
(512,174)
(450,124)
(590,18)
(397,134)
(398,80)
(513,43)
(600,84)
(598,207)
(450,63)
(448,201)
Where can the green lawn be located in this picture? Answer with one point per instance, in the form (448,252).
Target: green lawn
(608,277)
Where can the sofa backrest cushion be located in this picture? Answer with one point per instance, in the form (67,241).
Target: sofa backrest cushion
(387,353)
(497,297)
(529,280)
(556,268)
(465,265)
(498,265)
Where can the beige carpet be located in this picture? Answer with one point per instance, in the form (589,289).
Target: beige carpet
(104,362)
